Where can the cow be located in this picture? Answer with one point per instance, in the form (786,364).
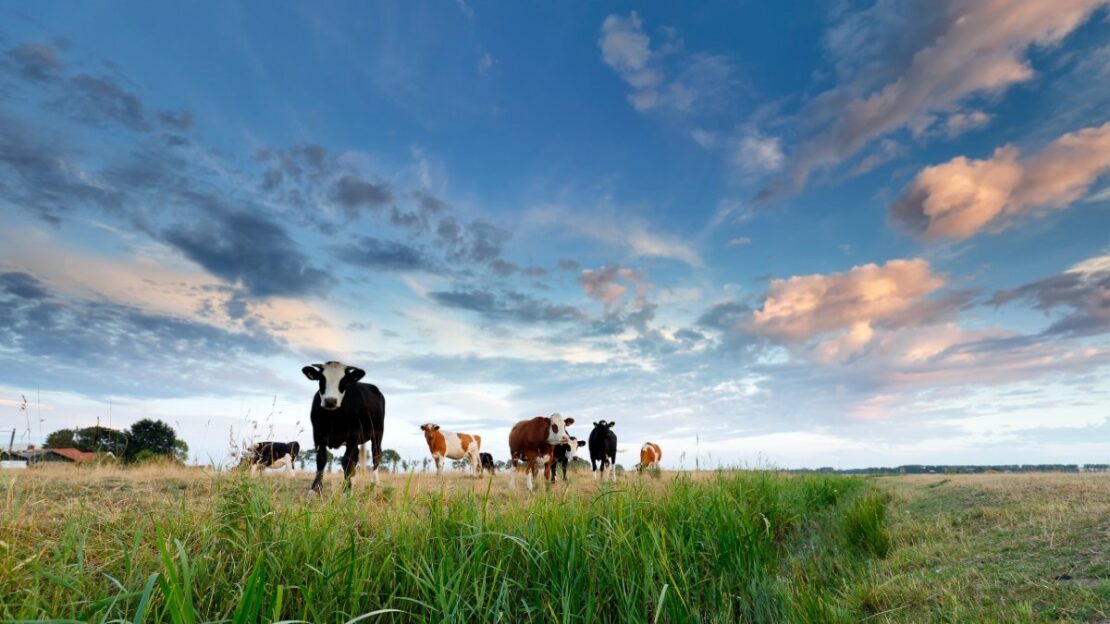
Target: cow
(533,440)
(452,445)
(487,463)
(263,455)
(564,453)
(603,449)
(650,456)
(345,412)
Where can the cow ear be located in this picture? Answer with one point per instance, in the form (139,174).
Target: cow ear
(568,422)
(611,423)
(436,427)
(354,374)
(581,443)
(312,372)
(597,424)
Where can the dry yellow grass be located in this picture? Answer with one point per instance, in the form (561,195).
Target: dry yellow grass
(995,548)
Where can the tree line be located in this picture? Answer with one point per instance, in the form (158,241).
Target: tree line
(964,469)
(145,440)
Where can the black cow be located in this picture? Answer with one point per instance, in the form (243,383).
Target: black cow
(345,412)
(273,455)
(487,463)
(563,454)
(603,448)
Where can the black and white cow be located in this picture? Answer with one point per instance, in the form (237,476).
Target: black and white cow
(345,412)
(263,455)
(563,454)
(603,448)
(487,463)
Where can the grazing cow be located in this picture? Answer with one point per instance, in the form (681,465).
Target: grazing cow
(603,449)
(452,446)
(487,463)
(564,453)
(650,456)
(345,412)
(532,441)
(265,455)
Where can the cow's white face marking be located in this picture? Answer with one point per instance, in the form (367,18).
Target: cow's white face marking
(557,430)
(575,446)
(334,379)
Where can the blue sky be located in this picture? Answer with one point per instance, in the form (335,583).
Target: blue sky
(847,233)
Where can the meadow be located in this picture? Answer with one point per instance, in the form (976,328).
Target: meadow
(162,544)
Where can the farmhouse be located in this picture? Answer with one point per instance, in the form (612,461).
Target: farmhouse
(32,455)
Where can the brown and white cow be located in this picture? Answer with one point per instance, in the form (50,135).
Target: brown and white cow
(532,443)
(650,456)
(452,445)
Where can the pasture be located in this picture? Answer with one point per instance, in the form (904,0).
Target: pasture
(181,545)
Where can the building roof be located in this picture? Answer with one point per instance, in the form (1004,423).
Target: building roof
(74,454)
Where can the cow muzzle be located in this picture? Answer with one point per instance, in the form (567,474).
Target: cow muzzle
(331,403)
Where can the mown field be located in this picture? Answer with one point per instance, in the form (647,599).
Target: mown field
(177,545)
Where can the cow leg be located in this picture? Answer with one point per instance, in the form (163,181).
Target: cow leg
(530,469)
(321,463)
(254,470)
(439,464)
(362,467)
(350,463)
(376,451)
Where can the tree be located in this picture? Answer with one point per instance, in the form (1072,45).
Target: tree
(89,439)
(181,450)
(102,440)
(62,438)
(150,435)
(390,456)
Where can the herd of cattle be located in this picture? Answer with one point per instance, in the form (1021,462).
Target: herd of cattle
(347,412)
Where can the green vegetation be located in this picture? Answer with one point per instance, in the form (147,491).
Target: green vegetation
(176,545)
(145,441)
(994,548)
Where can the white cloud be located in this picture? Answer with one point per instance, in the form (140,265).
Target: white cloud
(754,153)
(803,307)
(960,198)
(486,62)
(704,138)
(627,233)
(696,80)
(968,48)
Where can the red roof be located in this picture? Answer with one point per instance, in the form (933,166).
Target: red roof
(74,454)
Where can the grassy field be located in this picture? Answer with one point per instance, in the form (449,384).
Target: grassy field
(994,548)
(164,544)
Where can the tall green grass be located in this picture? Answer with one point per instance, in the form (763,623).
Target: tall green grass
(735,547)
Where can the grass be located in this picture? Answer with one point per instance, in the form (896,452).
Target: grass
(994,548)
(176,545)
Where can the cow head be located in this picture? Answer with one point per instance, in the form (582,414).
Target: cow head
(334,379)
(294,449)
(557,429)
(575,444)
(428,430)
(601,424)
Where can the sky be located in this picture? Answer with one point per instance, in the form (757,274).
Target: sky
(829,233)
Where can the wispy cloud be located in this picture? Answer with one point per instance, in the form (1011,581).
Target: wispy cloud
(667,77)
(964,49)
